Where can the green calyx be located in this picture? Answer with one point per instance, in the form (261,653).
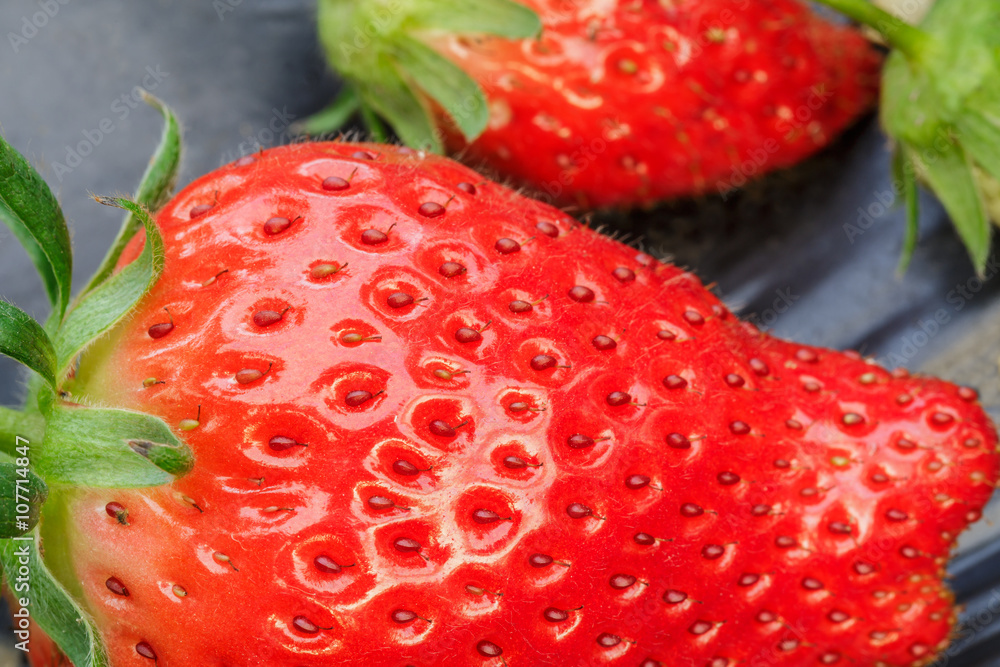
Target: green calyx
(55,445)
(941,105)
(381,49)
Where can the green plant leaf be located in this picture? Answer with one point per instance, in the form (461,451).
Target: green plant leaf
(444,81)
(155,188)
(390,96)
(24,340)
(949,174)
(502,18)
(109,448)
(905,175)
(22,494)
(377,130)
(333,117)
(110,301)
(51,606)
(29,208)
(981,139)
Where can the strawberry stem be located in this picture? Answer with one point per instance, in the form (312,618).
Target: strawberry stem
(15,424)
(898,33)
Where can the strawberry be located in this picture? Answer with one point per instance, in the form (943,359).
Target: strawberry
(612,104)
(939,105)
(436,423)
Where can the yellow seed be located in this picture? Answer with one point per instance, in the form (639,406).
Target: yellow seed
(179,592)
(189,424)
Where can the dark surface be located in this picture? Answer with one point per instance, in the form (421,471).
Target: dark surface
(230,74)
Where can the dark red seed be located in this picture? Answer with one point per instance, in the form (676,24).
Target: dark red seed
(673,596)
(907,551)
(604,343)
(759,367)
(200,210)
(380,503)
(812,584)
(839,527)
(645,539)
(690,510)
(515,463)
(838,616)
(793,424)
(431,209)
(276,225)
(441,428)
(362,155)
(520,306)
(829,658)
(941,419)
(666,334)
(116,586)
(280,443)
(399,300)
(693,317)
(451,269)
(335,183)
(539,560)
(896,515)
(304,625)
(406,545)
(636,481)
(748,579)
(727,478)
(735,381)
(403,616)
(712,551)
(160,330)
(649,662)
(785,542)
(506,246)
(403,467)
(766,616)
(905,443)
(717,662)
(607,640)
(467,188)
(578,511)
(968,394)
(760,510)
(265,318)
(699,627)
(547,228)
(621,581)
(624,275)
(806,356)
(618,398)
(357,398)
(488,649)
(485,517)
(678,441)
(782,463)
(542,362)
(739,428)
(579,441)
(326,564)
(145,650)
(373,237)
(554,615)
(519,406)
(674,382)
(248,375)
(862,568)
(117,511)
(581,294)
(468,335)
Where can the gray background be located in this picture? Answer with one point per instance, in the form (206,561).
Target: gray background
(235,69)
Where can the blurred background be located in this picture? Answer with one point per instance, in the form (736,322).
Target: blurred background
(785,253)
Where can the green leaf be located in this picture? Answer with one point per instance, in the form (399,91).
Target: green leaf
(377,130)
(29,208)
(981,139)
(444,81)
(155,188)
(502,18)
(390,96)
(950,175)
(110,301)
(51,606)
(109,449)
(22,494)
(24,340)
(333,117)
(904,174)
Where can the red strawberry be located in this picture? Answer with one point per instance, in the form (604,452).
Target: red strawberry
(617,103)
(435,423)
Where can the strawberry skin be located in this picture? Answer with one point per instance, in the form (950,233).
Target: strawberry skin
(436,423)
